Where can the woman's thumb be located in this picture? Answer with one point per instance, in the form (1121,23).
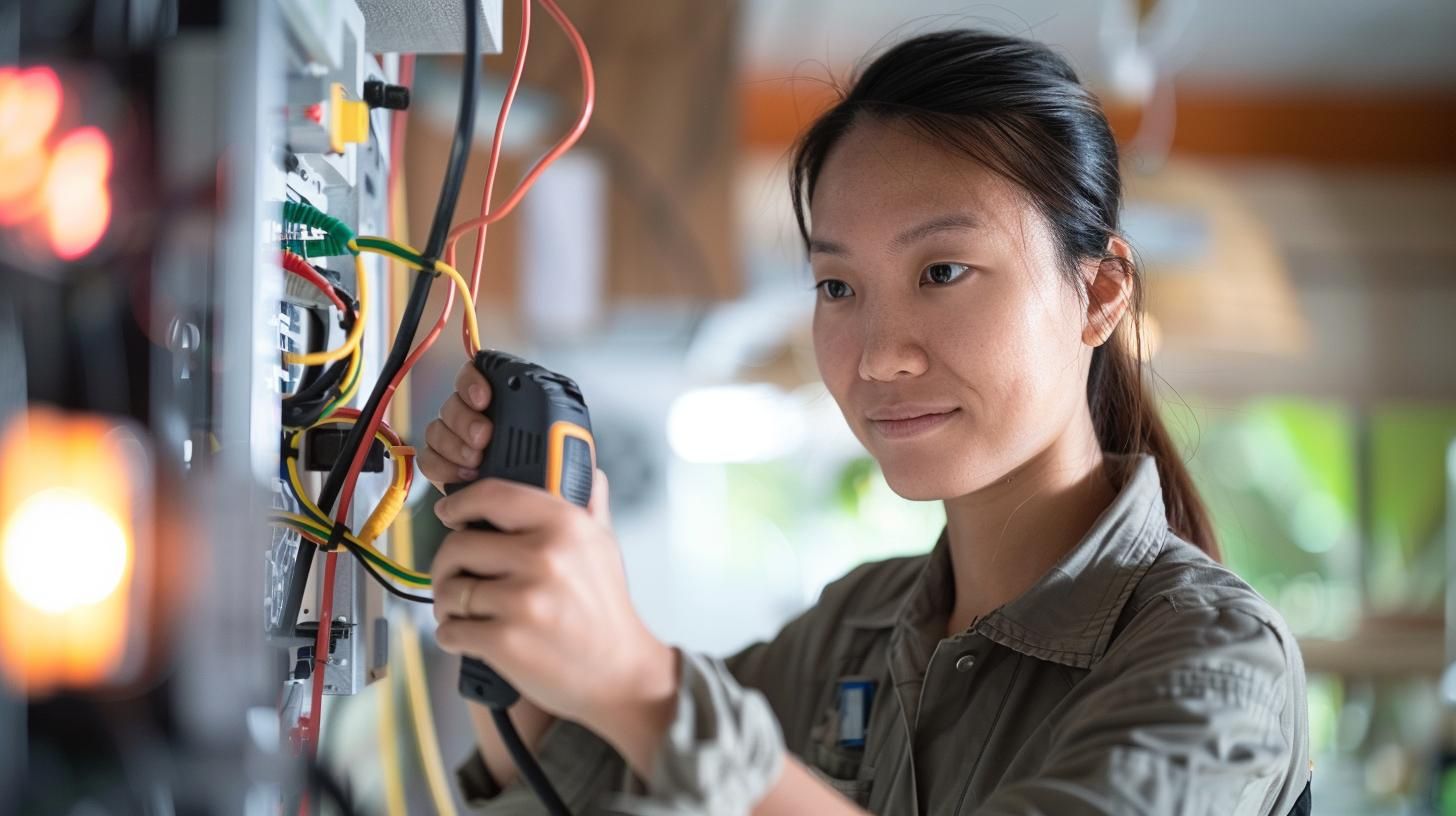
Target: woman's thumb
(597,505)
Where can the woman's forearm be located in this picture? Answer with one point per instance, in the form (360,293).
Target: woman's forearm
(798,790)
(531,723)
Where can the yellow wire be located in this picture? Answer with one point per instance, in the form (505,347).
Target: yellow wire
(428,739)
(411,652)
(309,527)
(394,799)
(391,751)
(420,578)
(351,376)
(351,341)
(393,500)
(471,323)
(467,301)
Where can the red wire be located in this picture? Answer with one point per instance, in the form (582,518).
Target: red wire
(495,150)
(346,496)
(321,653)
(303,269)
(588,102)
(311,731)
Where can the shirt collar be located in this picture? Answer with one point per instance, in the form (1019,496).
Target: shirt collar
(1068,615)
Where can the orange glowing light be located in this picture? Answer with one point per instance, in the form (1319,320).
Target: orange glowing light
(20,176)
(66,186)
(72,519)
(30,104)
(78,205)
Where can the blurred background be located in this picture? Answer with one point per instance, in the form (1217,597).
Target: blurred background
(1290,173)
(1291,191)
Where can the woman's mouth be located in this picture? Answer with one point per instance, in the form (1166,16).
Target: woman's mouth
(912,426)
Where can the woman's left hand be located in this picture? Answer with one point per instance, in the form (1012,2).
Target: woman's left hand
(545,603)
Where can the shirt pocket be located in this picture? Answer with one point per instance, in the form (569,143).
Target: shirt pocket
(845,771)
(840,765)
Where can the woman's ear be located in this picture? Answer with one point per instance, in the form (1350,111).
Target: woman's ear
(1109,292)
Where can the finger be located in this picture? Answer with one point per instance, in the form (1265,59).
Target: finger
(440,471)
(472,387)
(464,596)
(480,554)
(599,505)
(510,506)
(450,446)
(452,597)
(472,637)
(467,423)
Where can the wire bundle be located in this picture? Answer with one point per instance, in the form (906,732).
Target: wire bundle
(320,397)
(367,424)
(314,525)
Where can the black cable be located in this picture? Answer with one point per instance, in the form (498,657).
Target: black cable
(464,138)
(320,780)
(528,766)
(384,582)
(334,483)
(414,309)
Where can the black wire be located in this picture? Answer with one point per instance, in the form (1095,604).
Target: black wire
(464,136)
(320,780)
(384,582)
(528,766)
(415,309)
(305,405)
(334,483)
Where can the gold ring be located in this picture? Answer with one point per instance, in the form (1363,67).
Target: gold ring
(465,593)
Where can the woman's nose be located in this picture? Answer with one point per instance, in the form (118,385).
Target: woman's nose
(892,350)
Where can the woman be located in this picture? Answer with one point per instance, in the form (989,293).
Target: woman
(1070,645)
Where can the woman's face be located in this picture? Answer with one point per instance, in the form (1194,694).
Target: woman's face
(943,326)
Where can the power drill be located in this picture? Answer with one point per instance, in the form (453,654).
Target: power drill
(541,436)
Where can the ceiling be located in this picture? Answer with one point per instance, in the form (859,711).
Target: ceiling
(1284,44)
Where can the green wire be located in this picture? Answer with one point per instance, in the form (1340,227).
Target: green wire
(338,402)
(389,248)
(339,234)
(372,558)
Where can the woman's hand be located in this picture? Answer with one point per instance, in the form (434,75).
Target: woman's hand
(545,603)
(455,442)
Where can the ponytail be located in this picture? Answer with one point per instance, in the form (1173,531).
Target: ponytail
(1127,422)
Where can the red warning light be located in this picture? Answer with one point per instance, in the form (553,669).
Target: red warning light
(78,205)
(60,184)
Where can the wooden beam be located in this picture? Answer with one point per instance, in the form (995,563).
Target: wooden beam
(1414,129)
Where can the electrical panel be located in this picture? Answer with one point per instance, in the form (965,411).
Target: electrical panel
(332,155)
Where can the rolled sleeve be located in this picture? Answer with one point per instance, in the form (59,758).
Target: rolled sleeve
(1194,711)
(721,754)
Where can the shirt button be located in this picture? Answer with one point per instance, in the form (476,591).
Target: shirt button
(966,663)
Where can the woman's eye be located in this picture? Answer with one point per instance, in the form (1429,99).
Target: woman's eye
(943,273)
(833,289)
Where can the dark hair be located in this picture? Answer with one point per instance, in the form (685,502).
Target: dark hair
(1018,109)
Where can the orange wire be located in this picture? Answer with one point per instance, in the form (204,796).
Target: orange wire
(495,150)
(588,103)
(312,731)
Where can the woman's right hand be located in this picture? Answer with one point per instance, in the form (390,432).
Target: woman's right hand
(454,446)
(455,442)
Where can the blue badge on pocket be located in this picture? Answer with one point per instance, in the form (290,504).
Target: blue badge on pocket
(856,695)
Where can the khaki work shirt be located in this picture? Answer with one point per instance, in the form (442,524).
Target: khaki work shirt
(1137,676)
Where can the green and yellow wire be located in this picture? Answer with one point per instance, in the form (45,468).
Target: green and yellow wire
(315,524)
(411,257)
